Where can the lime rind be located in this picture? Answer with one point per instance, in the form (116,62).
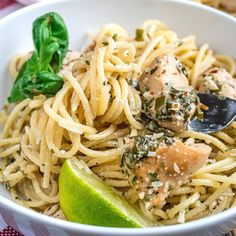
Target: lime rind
(85,198)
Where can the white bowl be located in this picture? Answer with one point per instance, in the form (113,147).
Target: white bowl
(83,16)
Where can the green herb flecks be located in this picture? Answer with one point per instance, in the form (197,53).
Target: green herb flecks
(114,37)
(181,68)
(17,197)
(172,107)
(178,104)
(87,62)
(105,43)
(153,176)
(179,43)
(139,35)
(152,71)
(145,143)
(159,102)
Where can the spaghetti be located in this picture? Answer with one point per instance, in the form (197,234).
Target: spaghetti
(93,113)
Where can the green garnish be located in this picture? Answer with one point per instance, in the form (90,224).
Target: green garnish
(181,68)
(133,179)
(153,176)
(139,35)
(114,37)
(87,62)
(179,43)
(177,104)
(160,102)
(10,160)
(153,70)
(39,74)
(105,43)
(144,144)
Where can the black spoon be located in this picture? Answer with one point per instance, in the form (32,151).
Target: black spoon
(221,112)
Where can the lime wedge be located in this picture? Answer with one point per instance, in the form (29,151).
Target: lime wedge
(86,199)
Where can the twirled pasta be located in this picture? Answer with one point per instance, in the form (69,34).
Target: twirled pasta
(96,108)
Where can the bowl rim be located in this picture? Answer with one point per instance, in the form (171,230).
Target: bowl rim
(72,226)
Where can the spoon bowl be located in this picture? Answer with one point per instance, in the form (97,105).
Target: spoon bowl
(221,112)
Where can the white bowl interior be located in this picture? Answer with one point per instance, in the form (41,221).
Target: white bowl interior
(84,16)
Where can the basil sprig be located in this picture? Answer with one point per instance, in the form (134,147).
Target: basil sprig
(38,75)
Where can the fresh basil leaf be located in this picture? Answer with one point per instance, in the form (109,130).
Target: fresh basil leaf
(48,29)
(38,74)
(42,83)
(29,67)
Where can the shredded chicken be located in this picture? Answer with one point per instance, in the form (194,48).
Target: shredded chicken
(155,172)
(167,96)
(163,73)
(219,81)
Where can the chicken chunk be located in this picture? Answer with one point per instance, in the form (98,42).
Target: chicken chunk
(164,72)
(166,94)
(180,161)
(219,81)
(229,5)
(169,166)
